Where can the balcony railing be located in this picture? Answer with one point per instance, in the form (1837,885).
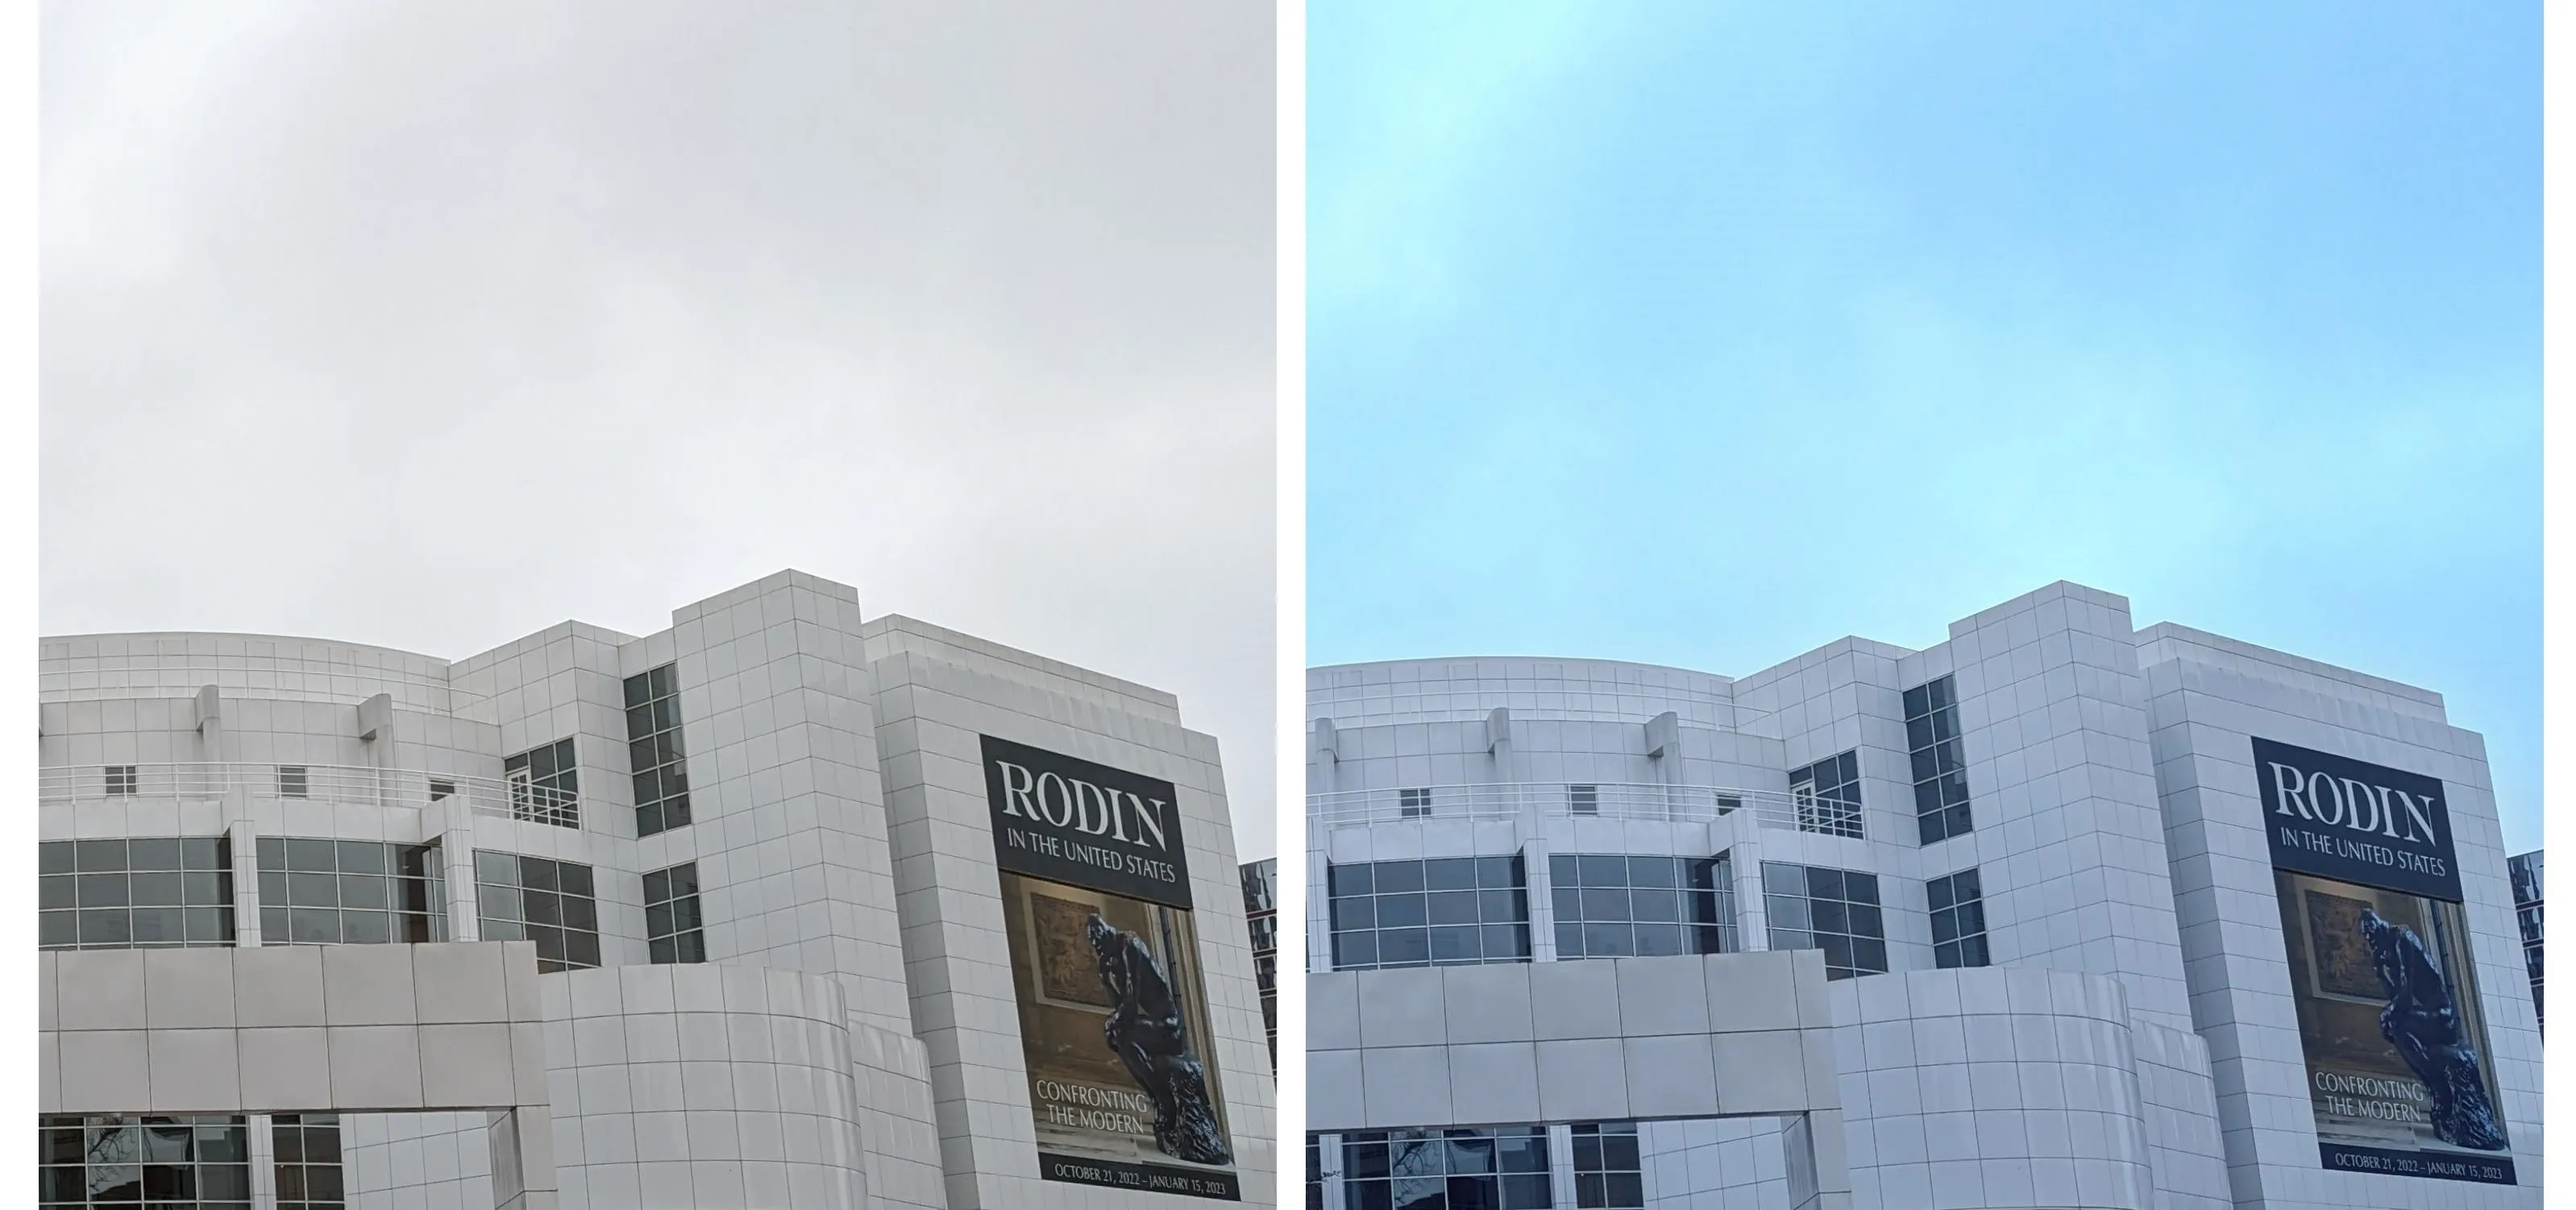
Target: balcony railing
(506,798)
(1793,810)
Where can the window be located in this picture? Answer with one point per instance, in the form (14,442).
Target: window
(1503,1168)
(653,751)
(1314,1172)
(544,785)
(122,1161)
(1837,911)
(1828,795)
(1614,906)
(294,781)
(1583,800)
(673,931)
(1261,922)
(1413,802)
(349,892)
(441,788)
(2524,871)
(1608,1175)
(1940,765)
(549,902)
(308,1161)
(1958,920)
(1446,911)
(135,893)
(120,780)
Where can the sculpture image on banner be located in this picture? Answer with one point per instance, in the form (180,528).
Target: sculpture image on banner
(2380,968)
(1105,961)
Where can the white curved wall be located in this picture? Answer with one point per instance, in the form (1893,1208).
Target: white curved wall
(703,1086)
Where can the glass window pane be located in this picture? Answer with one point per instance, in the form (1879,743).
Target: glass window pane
(152,853)
(1398,876)
(321,856)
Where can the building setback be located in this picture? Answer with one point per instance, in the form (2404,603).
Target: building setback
(2100,917)
(817,910)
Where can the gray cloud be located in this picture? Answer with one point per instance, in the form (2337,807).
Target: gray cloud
(431,325)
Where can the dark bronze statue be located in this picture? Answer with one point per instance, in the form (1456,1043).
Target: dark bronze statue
(2423,1022)
(1145,1031)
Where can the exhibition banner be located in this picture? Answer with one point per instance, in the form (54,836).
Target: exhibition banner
(1105,961)
(2368,882)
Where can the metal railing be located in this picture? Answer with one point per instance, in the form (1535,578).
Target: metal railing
(509,798)
(1798,811)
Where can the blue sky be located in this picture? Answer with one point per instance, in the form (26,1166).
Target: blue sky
(1704,334)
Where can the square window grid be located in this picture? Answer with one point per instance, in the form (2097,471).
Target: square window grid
(552,903)
(155,1161)
(1501,1168)
(545,785)
(673,930)
(1446,911)
(1837,911)
(1958,907)
(1940,764)
(1608,1173)
(309,1174)
(294,781)
(134,893)
(1828,795)
(1413,803)
(120,780)
(315,891)
(1630,906)
(653,750)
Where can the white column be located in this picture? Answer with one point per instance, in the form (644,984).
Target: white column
(263,1162)
(1560,1164)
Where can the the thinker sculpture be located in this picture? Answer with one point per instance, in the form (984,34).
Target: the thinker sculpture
(1146,1032)
(2423,1022)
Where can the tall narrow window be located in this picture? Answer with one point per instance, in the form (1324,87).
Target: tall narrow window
(1940,766)
(1411,803)
(1827,795)
(1609,1173)
(545,787)
(120,780)
(653,750)
(673,930)
(308,1161)
(1958,907)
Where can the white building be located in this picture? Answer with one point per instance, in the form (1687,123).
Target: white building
(2100,916)
(808,893)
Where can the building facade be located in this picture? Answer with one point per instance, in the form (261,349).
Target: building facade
(2105,917)
(2525,870)
(822,911)
(1261,919)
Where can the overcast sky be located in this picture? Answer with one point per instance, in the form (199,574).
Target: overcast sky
(431,325)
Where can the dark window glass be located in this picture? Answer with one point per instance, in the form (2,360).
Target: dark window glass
(154,1161)
(654,752)
(1620,906)
(1957,904)
(545,785)
(1837,911)
(1499,1168)
(518,897)
(1441,911)
(1826,795)
(131,893)
(309,1175)
(673,931)
(349,892)
(1940,764)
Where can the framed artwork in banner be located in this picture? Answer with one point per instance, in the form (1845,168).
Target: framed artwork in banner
(2394,1034)
(1105,963)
